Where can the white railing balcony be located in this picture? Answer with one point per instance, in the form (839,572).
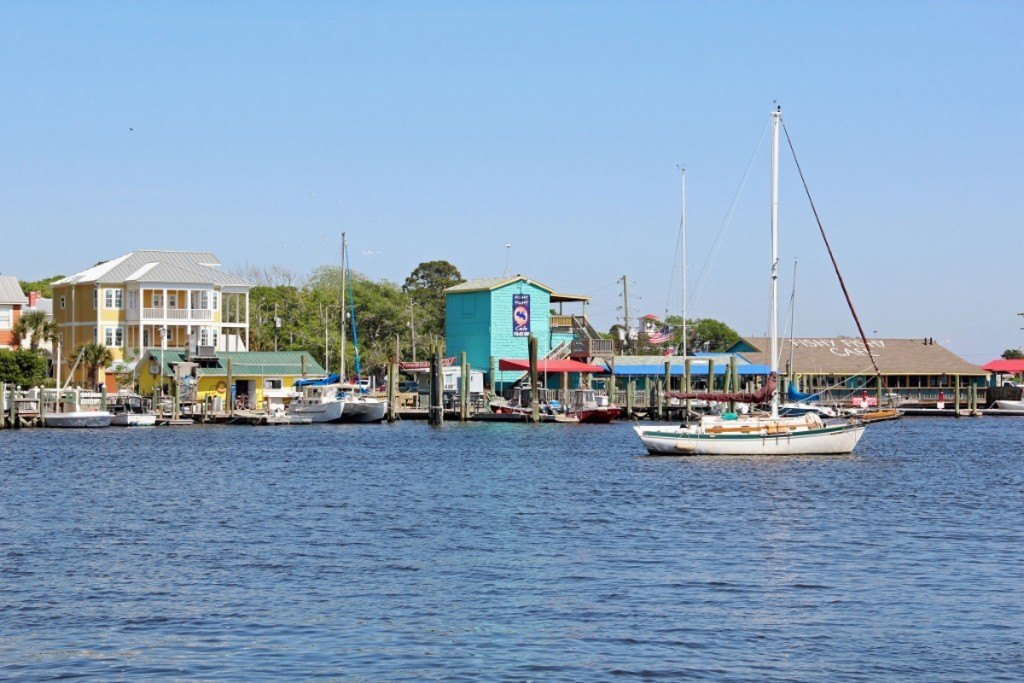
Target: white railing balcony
(177,314)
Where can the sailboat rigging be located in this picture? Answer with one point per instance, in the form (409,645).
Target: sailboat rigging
(756,434)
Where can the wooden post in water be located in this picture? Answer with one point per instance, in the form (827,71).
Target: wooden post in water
(156,399)
(493,373)
(12,407)
(659,398)
(435,413)
(464,389)
(956,395)
(302,361)
(176,410)
(3,397)
(711,374)
(630,398)
(878,392)
(231,379)
(611,380)
(103,396)
(392,389)
(534,392)
(662,403)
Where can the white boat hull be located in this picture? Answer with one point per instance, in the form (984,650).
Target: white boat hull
(827,440)
(1010,405)
(364,410)
(79,419)
(134,420)
(318,412)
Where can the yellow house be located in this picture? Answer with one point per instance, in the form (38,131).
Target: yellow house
(151,299)
(259,378)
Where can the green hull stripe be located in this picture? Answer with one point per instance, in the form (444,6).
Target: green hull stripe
(740,437)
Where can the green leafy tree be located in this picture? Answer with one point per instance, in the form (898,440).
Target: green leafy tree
(707,334)
(44,286)
(23,367)
(34,326)
(1013,354)
(92,357)
(425,286)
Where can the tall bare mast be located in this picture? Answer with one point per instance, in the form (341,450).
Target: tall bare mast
(682,239)
(344,317)
(774,323)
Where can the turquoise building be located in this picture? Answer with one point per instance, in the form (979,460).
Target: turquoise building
(494,317)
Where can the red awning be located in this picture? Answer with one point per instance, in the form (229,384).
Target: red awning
(548,366)
(1004,366)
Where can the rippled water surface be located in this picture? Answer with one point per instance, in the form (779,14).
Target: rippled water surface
(509,552)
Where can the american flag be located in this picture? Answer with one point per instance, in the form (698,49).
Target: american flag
(659,337)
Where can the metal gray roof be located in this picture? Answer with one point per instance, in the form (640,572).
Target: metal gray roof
(10,291)
(139,266)
(489,283)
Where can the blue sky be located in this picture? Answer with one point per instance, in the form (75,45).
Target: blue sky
(446,130)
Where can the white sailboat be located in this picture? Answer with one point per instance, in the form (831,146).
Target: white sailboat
(358,406)
(75,408)
(757,434)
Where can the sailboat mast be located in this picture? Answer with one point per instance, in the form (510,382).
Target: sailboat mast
(774,324)
(343,318)
(682,239)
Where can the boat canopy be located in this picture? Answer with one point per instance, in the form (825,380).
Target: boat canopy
(318,382)
(793,395)
(550,366)
(697,369)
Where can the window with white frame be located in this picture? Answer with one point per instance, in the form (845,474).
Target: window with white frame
(216,300)
(204,336)
(112,298)
(172,299)
(6,316)
(62,303)
(95,298)
(158,299)
(113,336)
(272,383)
(132,299)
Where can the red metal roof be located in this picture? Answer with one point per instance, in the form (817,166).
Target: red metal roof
(549,366)
(1004,366)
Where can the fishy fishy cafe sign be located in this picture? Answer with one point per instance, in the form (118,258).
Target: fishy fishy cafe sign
(843,346)
(520,315)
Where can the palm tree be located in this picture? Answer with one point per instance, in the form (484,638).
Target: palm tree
(36,327)
(93,356)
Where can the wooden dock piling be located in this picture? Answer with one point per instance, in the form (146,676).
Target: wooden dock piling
(534,394)
(464,389)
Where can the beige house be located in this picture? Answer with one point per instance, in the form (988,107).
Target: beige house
(152,299)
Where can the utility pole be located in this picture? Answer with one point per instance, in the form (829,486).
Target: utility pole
(625,307)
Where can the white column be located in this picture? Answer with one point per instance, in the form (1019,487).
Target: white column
(247,321)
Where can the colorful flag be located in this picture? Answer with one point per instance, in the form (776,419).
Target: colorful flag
(659,337)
